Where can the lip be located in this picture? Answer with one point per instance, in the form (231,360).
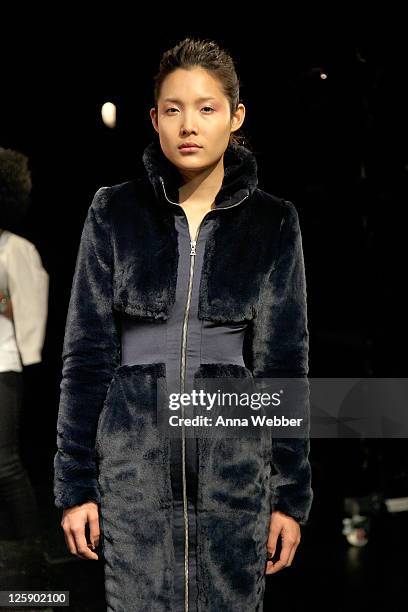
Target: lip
(189,145)
(189,149)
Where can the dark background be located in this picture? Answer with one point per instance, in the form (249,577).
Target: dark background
(336,147)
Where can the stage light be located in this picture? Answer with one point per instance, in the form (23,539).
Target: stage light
(108,113)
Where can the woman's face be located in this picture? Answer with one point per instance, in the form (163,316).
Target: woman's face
(193,107)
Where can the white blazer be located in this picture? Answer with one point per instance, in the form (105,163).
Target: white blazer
(22,273)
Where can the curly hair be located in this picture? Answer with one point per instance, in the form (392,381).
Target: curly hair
(207,54)
(15,187)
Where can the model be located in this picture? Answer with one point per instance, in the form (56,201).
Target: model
(189,271)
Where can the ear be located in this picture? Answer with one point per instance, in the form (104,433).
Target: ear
(237,118)
(153,117)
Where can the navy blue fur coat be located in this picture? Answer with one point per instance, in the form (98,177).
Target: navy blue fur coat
(253,271)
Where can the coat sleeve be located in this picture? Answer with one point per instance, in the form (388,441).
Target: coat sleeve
(90,355)
(28,282)
(280,350)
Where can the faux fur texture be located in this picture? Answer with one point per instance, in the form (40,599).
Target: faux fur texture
(109,446)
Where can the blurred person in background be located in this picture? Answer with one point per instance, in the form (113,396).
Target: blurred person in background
(23,315)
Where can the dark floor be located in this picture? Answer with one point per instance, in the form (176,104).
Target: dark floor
(327,573)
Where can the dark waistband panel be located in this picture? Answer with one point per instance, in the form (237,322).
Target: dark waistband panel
(145,342)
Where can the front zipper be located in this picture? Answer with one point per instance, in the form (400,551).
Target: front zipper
(193,245)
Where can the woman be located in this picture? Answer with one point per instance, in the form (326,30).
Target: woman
(23,317)
(189,271)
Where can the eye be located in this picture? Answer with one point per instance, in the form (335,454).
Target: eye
(172,108)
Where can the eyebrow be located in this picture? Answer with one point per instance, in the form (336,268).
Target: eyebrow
(202,99)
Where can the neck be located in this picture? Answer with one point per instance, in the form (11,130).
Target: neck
(203,186)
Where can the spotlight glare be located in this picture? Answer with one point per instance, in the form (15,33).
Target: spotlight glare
(108,113)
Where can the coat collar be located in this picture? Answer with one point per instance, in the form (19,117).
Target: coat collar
(240,175)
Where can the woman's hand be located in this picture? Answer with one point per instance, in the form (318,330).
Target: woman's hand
(73,523)
(289,530)
(8,311)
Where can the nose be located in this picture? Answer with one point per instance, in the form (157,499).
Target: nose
(187,126)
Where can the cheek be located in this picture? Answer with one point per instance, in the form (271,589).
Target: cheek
(167,134)
(220,123)
(225,121)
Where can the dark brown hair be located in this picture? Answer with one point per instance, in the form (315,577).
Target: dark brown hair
(209,55)
(15,187)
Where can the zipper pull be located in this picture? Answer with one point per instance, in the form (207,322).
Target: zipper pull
(193,247)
